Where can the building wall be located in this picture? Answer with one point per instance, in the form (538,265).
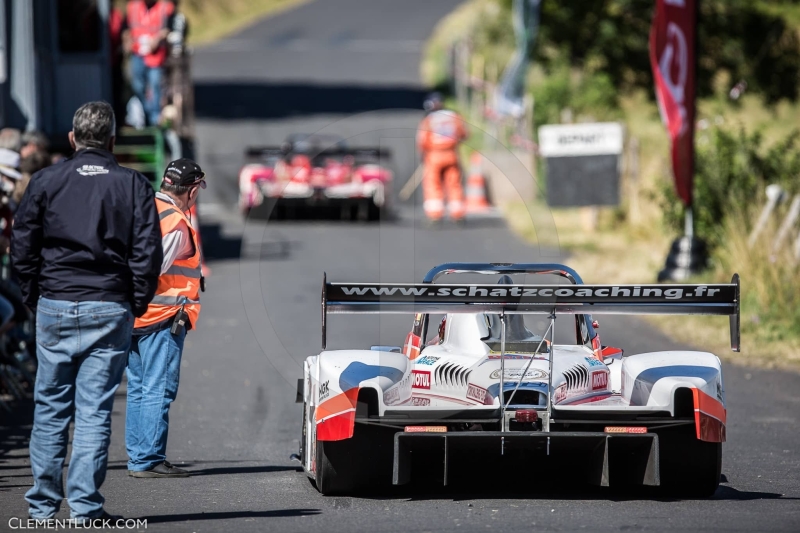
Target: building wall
(52,70)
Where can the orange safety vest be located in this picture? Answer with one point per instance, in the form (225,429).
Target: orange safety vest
(441,131)
(181,282)
(144,22)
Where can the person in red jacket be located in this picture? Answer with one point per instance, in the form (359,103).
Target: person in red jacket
(438,137)
(145,30)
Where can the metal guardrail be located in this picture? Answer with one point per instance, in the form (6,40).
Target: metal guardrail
(775,196)
(143,150)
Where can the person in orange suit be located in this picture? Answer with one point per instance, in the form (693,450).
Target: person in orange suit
(438,137)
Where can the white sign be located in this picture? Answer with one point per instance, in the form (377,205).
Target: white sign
(563,140)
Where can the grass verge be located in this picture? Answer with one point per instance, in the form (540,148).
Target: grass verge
(210,20)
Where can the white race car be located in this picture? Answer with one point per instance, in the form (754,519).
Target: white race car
(433,408)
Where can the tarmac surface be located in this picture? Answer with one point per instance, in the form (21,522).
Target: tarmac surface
(351,67)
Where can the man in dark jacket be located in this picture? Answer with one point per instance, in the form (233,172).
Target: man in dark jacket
(86,249)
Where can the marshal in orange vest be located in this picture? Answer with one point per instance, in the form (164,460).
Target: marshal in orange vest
(181,282)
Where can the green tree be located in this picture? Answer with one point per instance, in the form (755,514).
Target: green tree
(744,38)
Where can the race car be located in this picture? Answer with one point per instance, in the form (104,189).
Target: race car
(315,176)
(493,392)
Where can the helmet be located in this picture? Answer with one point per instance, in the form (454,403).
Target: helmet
(433,101)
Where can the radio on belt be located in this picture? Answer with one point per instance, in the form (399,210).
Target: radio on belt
(179,323)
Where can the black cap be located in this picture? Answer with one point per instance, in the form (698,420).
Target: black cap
(188,171)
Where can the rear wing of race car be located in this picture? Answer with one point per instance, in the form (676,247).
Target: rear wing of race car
(361,154)
(657,299)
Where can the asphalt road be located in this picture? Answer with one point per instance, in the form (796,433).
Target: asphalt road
(337,66)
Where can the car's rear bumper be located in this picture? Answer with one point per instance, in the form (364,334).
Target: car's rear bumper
(603,459)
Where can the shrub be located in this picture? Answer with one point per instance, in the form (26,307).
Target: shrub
(732,171)
(586,94)
(770,305)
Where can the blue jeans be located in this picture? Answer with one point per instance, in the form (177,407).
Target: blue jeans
(81,348)
(146,85)
(154,366)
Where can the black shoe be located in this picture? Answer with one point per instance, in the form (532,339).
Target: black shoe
(164,469)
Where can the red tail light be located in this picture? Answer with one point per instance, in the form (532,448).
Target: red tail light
(526,416)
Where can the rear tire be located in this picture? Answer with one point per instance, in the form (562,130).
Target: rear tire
(355,464)
(689,467)
(362,210)
(374,212)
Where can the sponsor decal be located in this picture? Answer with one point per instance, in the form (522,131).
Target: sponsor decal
(517,355)
(495,356)
(391,396)
(594,362)
(476,393)
(421,402)
(421,379)
(599,380)
(723,293)
(533,374)
(557,140)
(561,393)
(324,390)
(427,360)
(92,170)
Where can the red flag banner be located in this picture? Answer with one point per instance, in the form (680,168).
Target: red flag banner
(672,58)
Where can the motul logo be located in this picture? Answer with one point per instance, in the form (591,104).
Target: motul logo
(599,380)
(421,379)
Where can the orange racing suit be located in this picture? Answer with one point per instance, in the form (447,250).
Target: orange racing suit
(438,138)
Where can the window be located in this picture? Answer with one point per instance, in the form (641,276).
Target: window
(79,26)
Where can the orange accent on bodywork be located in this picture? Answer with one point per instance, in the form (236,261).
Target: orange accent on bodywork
(337,404)
(339,427)
(710,417)
(336,417)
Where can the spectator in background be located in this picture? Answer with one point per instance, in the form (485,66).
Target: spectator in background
(145,29)
(33,141)
(28,166)
(9,173)
(9,176)
(178,31)
(86,249)
(11,139)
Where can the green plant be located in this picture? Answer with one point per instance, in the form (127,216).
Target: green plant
(770,307)
(732,171)
(591,95)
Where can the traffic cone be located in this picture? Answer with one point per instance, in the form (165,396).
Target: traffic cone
(196,225)
(476,186)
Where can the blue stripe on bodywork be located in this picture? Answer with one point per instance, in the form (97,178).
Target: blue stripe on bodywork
(647,379)
(357,372)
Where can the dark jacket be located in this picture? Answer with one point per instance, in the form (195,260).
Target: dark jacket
(88,230)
